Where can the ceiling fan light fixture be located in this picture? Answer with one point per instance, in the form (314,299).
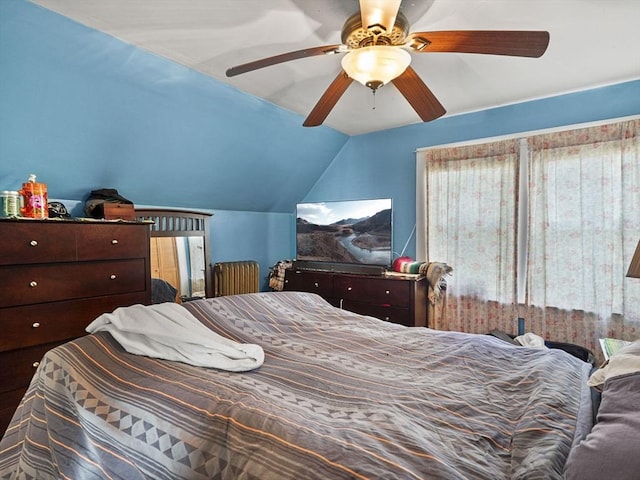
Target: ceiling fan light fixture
(376,65)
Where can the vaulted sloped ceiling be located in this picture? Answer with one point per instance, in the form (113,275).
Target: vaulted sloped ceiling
(593,43)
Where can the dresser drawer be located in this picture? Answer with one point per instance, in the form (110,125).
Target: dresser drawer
(27,285)
(377,291)
(314,282)
(30,325)
(112,241)
(387,313)
(18,366)
(35,242)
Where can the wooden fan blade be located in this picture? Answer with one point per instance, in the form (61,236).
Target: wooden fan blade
(284,57)
(519,43)
(423,101)
(328,100)
(379,14)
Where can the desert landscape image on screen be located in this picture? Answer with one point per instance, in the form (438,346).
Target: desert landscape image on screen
(353,231)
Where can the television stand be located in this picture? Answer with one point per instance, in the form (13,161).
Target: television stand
(394,299)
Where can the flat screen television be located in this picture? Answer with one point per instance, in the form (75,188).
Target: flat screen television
(345,232)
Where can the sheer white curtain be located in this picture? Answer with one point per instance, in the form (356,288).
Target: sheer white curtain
(584,224)
(471,210)
(576,210)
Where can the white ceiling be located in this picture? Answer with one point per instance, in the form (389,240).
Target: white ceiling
(592,43)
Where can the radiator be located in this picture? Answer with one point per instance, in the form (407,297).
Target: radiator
(232,278)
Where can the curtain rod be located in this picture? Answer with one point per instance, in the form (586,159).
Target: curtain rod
(530,133)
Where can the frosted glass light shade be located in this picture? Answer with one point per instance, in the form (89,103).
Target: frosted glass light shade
(376,65)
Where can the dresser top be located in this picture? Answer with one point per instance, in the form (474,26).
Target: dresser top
(74,220)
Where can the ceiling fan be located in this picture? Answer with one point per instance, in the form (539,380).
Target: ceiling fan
(377,42)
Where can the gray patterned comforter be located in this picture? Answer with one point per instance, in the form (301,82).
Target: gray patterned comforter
(340,396)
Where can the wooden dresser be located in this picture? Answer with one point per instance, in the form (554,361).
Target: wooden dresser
(56,277)
(394,299)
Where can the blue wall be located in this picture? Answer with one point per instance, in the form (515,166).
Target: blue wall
(251,236)
(383,164)
(83,110)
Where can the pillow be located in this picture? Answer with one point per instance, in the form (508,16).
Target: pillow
(611,449)
(626,360)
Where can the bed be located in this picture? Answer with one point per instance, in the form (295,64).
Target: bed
(339,396)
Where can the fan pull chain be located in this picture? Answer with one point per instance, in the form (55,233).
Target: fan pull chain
(373,107)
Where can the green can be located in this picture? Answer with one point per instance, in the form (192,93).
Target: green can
(9,203)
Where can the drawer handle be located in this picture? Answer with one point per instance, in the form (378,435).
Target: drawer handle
(114,242)
(35,325)
(316,284)
(349,289)
(386,319)
(33,284)
(33,243)
(35,364)
(112,277)
(387,292)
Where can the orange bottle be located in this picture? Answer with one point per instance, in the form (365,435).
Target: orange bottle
(34,197)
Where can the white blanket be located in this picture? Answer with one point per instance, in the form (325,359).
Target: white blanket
(169,331)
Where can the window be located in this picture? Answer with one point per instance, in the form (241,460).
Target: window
(472,203)
(541,228)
